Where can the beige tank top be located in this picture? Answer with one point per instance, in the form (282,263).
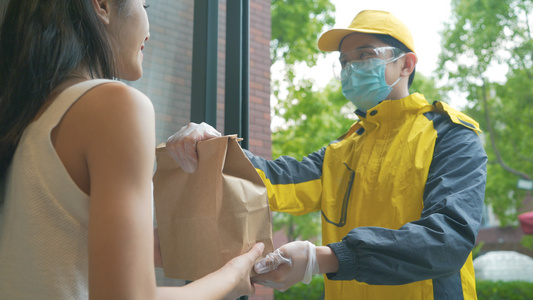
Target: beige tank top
(44,215)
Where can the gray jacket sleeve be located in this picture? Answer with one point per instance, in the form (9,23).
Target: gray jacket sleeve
(288,170)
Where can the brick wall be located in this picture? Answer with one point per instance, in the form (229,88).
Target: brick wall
(260,33)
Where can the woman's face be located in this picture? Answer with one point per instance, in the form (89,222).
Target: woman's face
(129,30)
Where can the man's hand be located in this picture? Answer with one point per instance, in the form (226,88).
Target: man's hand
(181,146)
(287,265)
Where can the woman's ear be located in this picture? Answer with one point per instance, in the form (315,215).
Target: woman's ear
(409,64)
(101,8)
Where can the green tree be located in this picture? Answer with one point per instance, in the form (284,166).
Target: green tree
(295,28)
(427,86)
(487,37)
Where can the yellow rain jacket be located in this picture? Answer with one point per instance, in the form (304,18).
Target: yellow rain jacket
(401,196)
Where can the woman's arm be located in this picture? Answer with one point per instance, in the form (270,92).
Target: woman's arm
(119,137)
(229,282)
(120,159)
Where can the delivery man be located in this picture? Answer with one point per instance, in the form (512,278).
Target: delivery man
(401,193)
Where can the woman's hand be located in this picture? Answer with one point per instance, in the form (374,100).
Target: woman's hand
(240,269)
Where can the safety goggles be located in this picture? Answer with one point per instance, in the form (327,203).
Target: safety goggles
(359,58)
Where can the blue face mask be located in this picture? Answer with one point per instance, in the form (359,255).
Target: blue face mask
(364,83)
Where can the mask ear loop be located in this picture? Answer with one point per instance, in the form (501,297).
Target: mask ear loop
(396,81)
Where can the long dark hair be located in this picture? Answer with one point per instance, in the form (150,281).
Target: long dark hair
(41,42)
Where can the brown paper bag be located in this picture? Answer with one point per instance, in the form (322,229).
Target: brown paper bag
(207,218)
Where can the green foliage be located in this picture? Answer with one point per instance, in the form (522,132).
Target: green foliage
(477,31)
(502,290)
(295,29)
(305,227)
(482,34)
(477,249)
(296,26)
(527,241)
(313,291)
(428,87)
(501,192)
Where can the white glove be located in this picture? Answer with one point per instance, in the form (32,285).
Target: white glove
(287,265)
(181,146)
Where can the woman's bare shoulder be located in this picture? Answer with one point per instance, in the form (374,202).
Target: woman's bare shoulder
(115,93)
(114,104)
(110,113)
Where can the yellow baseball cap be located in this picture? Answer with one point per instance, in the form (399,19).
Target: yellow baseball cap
(368,21)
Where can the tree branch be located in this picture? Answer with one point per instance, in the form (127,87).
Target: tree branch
(492,137)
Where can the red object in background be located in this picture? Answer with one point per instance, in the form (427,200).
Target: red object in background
(526,221)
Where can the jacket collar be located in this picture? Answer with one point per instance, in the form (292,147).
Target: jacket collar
(393,111)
